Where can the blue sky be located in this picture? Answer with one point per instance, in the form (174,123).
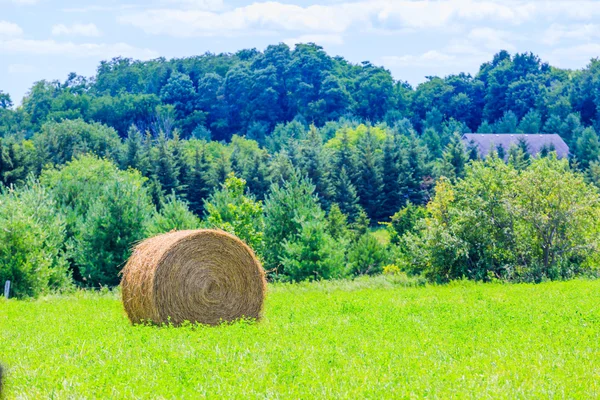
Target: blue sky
(47,39)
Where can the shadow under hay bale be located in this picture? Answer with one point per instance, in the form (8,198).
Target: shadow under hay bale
(204,276)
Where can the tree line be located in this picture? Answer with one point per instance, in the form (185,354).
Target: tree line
(299,154)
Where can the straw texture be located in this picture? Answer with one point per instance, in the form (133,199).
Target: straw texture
(204,276)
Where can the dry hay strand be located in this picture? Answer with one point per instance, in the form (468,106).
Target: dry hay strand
(203,276)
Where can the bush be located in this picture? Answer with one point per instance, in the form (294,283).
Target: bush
(286,208)
(229,209)
(367,256)
(31,242)
(538,223)
(173,215)
(106,210)
(313,254)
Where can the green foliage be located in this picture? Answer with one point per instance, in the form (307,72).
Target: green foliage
(407,220)
(233,211)
(538,223)
(312,254)
(286,207)
(59,142)
(174,214)
(106,211)
(337,223)
(367,256)
(32,241)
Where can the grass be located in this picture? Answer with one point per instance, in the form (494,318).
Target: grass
(371,338)
(381,234)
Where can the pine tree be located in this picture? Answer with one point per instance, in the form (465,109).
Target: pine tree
(133,149)
(370,183)
(337,222)
(587,148)
(165,167)
(314,166)
(391,173)
(453,162)
(281,168)
(345,195)
(413,171)
(180,161)
(199,183)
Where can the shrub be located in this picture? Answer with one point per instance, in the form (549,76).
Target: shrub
(367,256)
(229,209)
(31,242)
(312,254)
(106,210)
(541,222)
(173,215)
(286,208)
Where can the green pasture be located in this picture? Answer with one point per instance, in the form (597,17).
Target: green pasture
(373,338)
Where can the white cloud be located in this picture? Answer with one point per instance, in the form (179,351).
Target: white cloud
(425,59)
(325,18)
(89,30)
(557,33)
(52,47)
(10,29)
(207,5)
(322,39)
(21,69)
(492,39)
(573,56)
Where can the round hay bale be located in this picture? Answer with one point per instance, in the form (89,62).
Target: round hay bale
(204,276)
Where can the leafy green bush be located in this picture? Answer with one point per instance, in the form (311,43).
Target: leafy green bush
(106,210)
(174,214)
(404,221)
(229,209)
(367,256)
(31,241)
(538,223)
(286,207)
(313,254)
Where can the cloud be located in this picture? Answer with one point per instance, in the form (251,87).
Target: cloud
(207,5)
(492,39)
(425,59)
(573,56)
(89,30)
(329,17)
(318,39)
(10,29)
(52,47)
(557,33)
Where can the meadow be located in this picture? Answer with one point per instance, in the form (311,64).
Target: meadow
(368,338)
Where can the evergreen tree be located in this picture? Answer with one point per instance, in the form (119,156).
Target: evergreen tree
(286,207)
(180,161)
(199,182)
(166,170)
(281,168)
(337,222)
(413,171)
(314,166)
(370,182)
(345,195)
(133,149)
(391,173)
(587,148)
(455,158)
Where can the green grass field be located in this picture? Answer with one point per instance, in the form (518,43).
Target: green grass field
(362,339)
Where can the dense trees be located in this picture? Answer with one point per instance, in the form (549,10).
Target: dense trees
(298,153)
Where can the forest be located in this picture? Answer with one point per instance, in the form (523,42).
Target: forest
(302,155)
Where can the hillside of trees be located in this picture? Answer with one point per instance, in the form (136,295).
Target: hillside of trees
(298,153)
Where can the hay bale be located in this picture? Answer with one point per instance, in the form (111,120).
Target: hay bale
(203,276)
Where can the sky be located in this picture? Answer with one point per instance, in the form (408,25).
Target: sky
(47,39)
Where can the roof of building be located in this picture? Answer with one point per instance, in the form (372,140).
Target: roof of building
(535,142)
